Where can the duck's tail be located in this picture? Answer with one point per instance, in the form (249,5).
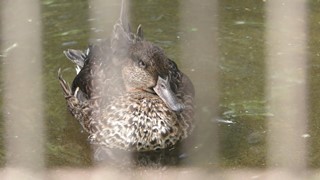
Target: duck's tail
(78,57)
(74,105)
(64,85)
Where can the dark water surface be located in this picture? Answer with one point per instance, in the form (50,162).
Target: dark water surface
(242,110)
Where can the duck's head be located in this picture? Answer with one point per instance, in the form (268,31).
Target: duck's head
(144,66)
(146,69)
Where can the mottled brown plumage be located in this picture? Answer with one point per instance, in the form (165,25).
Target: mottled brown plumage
(129,95)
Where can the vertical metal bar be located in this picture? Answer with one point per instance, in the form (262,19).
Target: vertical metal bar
(103,16)
(286,36)
(199,60)
(23,102)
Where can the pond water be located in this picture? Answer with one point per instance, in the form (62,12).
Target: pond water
(241,110)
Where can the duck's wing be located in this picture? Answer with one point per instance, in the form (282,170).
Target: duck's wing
(179,82)
(186,86)
(184,91)
(182,87)
(89,62)
(98,71)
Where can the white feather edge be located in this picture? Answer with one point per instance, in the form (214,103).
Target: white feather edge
(78,69)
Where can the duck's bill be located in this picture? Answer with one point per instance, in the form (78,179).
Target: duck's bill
(164,91)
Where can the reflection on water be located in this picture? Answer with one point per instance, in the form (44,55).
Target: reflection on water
(242,107)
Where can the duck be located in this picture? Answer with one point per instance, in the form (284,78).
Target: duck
(128,95)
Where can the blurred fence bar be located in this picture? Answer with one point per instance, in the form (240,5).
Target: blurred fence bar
(23,102)
(199,24)
(103,15)
(286,30)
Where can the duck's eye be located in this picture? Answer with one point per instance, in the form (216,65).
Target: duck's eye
(142,64)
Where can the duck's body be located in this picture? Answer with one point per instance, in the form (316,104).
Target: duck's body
(128,95)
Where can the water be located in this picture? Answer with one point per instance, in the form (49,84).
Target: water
(242,109)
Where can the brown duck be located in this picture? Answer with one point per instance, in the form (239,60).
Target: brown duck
(128,95)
